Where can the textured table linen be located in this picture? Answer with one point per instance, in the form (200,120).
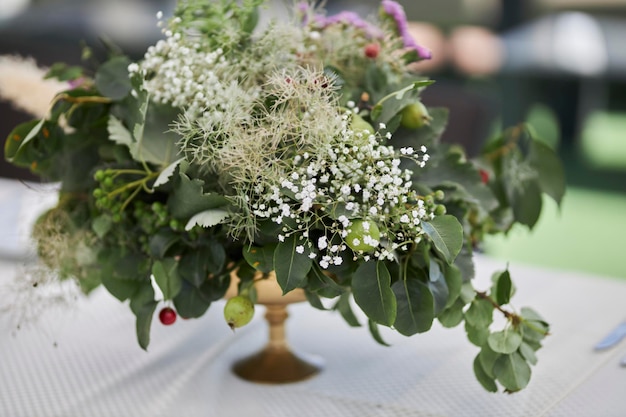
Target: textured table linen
(82,359)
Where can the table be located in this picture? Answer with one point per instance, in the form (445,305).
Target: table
(81,357)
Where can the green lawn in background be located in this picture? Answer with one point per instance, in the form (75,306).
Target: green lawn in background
(587,234)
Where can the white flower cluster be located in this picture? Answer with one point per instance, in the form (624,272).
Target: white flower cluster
(355,177)
(179,71)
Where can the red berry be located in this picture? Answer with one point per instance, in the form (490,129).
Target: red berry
(484,176)
(372,50)
(167,316)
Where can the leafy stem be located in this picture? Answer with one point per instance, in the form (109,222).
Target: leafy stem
(515,319)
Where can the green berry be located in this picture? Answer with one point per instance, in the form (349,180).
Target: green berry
(359,125)
(440,209)
(238,311)
(414,116)
(363,235)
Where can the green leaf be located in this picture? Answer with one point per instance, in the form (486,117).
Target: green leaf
(390,105)
(19,138)
(488,359)
(290,266)
(480,313)
(64,72)
(191,302)
(437,286)
(101,225)
(314,300)
(188,198)
(142,304)
(477,335)
(549,168)
(162,241)
(156,142)
(322,284)
(207,218)
(166,173)
(260,258)
(120,288)
(446,233)
(485,380)
(166,276)
(345,309)
(112,78)
(372,293)
(505,341)
(375,332)
(528,352)
(453,315)
(503,288)
(415,305)
(454,282)
(534,328)
(526,202)
(197,265)
(512,371)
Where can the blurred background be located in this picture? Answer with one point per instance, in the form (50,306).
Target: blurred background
(557,64)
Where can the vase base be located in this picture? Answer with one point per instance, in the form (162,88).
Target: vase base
(276,366)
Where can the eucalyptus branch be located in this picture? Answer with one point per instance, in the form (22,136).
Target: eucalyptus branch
(515,319)
(510,316)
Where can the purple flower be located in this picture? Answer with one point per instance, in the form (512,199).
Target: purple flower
(352,19)
(396,11)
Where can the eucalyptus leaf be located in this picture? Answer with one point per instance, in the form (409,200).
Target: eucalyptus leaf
(505,341)
(503,288)
(480,313)
(528,352)
(477,335)
(488,358)
(453,315)
(483,378)
(372,292)
(512,371)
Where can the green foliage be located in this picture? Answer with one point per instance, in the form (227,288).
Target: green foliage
(252,156)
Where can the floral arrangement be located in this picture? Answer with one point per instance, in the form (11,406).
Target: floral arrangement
(302,149)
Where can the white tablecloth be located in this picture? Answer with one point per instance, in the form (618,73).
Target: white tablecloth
(81,359)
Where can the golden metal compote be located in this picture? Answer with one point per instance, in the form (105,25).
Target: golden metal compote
(276,363)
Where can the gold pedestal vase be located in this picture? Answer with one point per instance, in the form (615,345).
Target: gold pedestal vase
(276,363)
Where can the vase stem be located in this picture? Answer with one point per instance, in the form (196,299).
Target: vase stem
(276,363)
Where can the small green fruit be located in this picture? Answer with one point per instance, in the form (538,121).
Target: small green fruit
(363,235)
(415,115)
(238,311)
(359,125)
